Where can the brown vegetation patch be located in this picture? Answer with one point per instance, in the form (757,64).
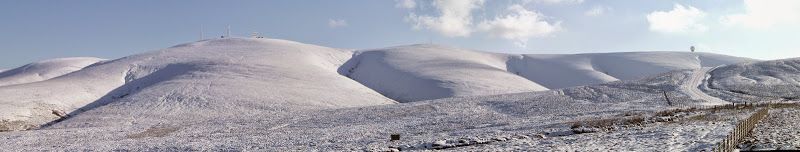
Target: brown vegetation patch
(154,132)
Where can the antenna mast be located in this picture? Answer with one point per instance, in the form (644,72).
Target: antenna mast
(228,31)
(201,32)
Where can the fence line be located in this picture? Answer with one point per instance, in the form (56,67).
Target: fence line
(741,130)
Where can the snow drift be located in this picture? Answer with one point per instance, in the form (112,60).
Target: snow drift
(44,70)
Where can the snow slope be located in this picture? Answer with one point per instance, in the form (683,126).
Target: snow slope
(759,81)
(276,95)
(561,71)
(220,76)
(117,126)
(44,70)
(423,72)
(236,76)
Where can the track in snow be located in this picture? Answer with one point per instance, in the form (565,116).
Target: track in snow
(690,88)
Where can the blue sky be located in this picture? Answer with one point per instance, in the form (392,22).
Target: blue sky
(34,30)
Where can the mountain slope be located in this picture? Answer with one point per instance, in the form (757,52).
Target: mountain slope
(561,71)
(756,82)
(238,77)
(221,76)
(44,70)
(423,72)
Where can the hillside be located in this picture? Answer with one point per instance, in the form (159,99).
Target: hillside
(424,72)
(561,71)
(546,113)
(43,70)
(230,77)
(216,77)
(256,94)
(756,82)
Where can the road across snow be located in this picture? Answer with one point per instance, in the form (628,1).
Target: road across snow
(690,88)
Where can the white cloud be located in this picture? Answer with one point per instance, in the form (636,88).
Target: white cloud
(681,19)
(597,11)
(554,1)
(762,14)
(407,4)
(454,20)
(336,23)
(519,25)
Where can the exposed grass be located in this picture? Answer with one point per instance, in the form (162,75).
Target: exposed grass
(6,125)
(154,132)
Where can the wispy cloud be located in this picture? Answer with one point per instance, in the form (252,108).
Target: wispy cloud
(597,11)
(337,23)
(407,4)
(554,1)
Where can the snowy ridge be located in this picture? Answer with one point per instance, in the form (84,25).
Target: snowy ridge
(423,72)
(758,81)
(562,71)
(44,70)
(277,95)
(235,76)
(216,75)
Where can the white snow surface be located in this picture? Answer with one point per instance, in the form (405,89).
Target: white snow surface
(219,76)
(43,70)
(240,94)
(134,126)
(423,72)
(756,82)
(691,87)
(561,71)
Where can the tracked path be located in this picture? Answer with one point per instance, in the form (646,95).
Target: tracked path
(696,79)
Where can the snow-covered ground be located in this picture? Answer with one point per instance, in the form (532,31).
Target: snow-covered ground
(691,87)
(780,130)
(757,81)
(216,77)
(423,72)
(277,95)
(44,70)
(113,127)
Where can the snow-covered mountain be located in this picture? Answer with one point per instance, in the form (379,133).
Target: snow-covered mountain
(223,76)
(423,72)
(237,77)
(256,94)
(756,82)
(44,70)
